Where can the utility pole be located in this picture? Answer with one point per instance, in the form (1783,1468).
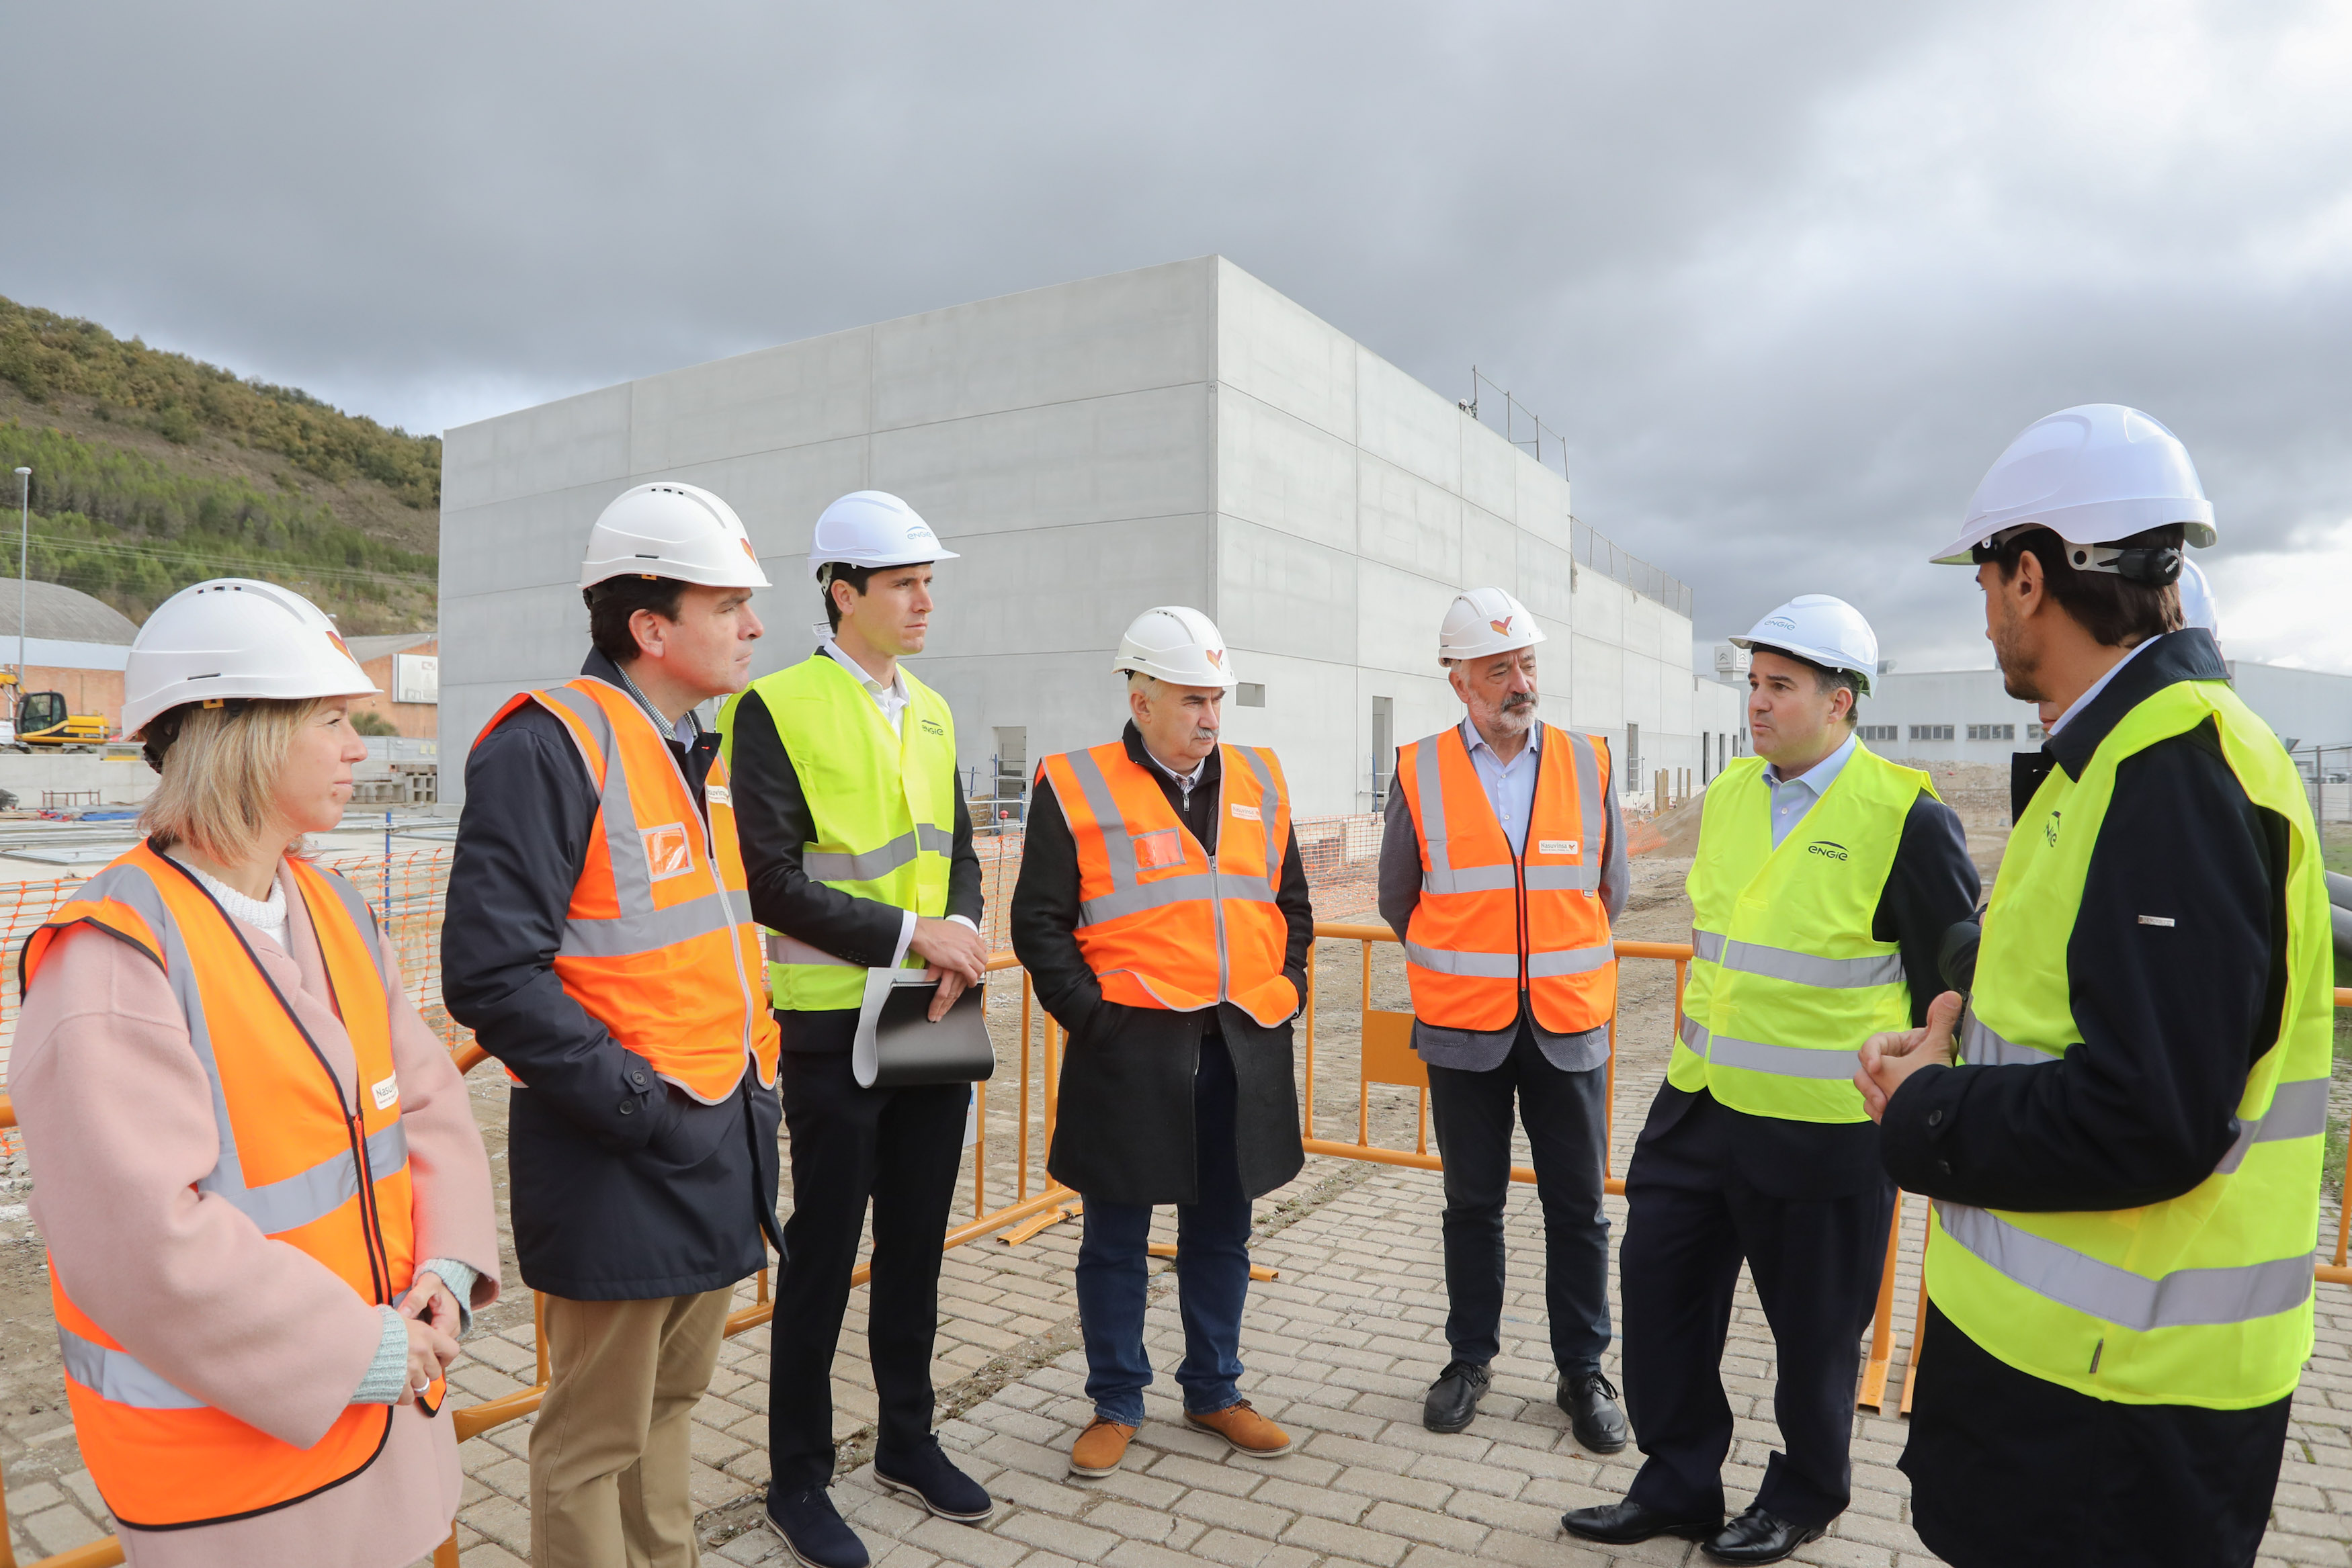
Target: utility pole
(24,546)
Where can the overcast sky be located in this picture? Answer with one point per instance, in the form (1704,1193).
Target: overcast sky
(1789,276)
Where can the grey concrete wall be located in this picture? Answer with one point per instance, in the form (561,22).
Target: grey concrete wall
(1178,434)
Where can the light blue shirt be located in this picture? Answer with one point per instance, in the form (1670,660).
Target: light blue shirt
(1792,798)
(1511,785)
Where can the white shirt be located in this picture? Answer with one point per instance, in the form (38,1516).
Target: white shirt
(2100,685)
(891,699)
(1792,798)
(1184,781)
(267,916)
(1511,785)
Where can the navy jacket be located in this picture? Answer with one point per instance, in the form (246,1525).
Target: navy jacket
(623,1188)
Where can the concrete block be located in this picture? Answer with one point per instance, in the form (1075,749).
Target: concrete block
(812,391)
(1072,588)
(1398,613)
(1277,351)
(1490,553)
(1314,724)
(1408,521)
(554,446)
(1278,470)
(1547,579)
(1283,595)
(1543,499)
(1489,477)
(522,542)
(1596,697)
(1404,423)
(1122,333)
(1135,454)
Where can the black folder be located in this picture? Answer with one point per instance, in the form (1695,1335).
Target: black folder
(898,1046)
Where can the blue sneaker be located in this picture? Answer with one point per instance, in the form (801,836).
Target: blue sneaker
(812,1530)
(930,1477)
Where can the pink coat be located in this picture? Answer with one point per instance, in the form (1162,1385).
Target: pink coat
(118,1125)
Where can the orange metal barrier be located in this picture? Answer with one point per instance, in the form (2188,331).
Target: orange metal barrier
(413,904)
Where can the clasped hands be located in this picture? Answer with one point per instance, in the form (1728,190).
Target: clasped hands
(1889,1058)
(433,1319)
(954,955)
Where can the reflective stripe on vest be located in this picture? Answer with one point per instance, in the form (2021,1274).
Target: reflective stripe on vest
(1155,907)
(2204,1299)
(1492,925)
(661,890)
(1787,976)
(292,1157)
(881,805)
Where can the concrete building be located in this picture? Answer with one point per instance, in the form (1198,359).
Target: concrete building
(1177,435)
(73,643)
(406,667)
(1964,716)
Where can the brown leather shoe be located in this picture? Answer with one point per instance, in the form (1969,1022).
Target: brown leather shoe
(1246,1429)
(1099,1447)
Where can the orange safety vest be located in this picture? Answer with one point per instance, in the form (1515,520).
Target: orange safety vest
(1491,925)
(659,944)
(293,1160)
(1161,922)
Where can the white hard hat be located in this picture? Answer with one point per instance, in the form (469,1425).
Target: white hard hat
(873,527)
(1821,629)
(1483,620)
(1180,646)
(666,529)
(2090,474)
(2198,607)
(233,637)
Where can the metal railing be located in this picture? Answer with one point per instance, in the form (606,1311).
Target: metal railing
(1035,1200)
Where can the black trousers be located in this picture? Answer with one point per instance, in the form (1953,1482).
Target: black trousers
(1566,1120)
(1691,1216)
(900,1148)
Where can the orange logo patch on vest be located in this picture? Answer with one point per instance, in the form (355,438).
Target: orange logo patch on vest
(668,852)
(1158,851)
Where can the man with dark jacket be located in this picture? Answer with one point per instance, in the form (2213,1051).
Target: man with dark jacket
(1825,880)
(2125,1163)
(1164,916)
(641,1146)
(858,848)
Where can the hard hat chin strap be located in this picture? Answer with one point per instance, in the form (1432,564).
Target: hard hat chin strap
(2152,566)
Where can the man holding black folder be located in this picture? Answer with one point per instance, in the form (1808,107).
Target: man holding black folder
(1165,915)
(857,846)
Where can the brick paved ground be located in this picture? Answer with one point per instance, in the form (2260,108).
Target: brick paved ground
(1338,1349)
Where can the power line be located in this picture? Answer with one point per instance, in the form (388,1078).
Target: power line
(191,558)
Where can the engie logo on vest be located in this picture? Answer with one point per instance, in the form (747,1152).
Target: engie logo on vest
(1827,849)
(932,726)
(2049,831)
(668,852)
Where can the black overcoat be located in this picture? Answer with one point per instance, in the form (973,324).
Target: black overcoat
(1124,1129)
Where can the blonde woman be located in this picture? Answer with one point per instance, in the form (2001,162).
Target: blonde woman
(267,1207)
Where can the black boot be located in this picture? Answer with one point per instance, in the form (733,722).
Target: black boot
(1454,1397)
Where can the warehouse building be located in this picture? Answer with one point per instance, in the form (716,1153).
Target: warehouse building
(1178,434)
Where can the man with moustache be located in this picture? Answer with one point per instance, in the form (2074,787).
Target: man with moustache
(1825,882)
(2123,1134)
(1163,913)
(1502,865)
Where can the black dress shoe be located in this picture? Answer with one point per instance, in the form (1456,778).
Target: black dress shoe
(1756,1536)
(931,1478)
(812,1530)
(1454,1397)
(1622,1523)
(1590,1402)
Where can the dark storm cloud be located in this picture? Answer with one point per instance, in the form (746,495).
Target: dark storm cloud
(1789,276)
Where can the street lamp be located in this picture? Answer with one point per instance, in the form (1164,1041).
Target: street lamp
(24,543)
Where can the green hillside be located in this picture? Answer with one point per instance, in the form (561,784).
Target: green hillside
(154,470)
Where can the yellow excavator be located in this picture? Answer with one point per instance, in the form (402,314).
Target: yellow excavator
(42,720)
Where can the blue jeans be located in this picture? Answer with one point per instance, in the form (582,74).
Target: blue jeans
(1211,1269)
